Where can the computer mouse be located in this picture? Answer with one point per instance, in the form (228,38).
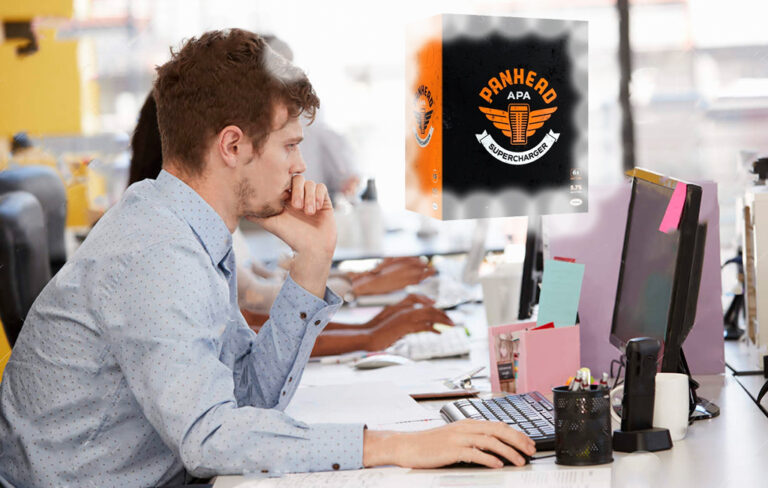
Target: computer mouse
(506,461)
(380,361)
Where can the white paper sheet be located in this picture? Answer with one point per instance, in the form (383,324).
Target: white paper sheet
(379,405)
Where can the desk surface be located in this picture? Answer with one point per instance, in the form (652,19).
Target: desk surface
(269,248)
(728,451)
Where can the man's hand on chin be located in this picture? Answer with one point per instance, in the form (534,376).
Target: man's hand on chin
(308,226)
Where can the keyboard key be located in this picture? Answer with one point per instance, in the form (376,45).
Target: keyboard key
(469,410)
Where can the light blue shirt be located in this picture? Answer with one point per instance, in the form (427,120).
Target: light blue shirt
(135,362)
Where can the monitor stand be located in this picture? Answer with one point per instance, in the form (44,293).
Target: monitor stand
(699,408)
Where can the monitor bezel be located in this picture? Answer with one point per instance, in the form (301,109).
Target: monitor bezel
(676,317)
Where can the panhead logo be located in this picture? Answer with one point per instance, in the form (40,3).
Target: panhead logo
(518,103)
(423,112)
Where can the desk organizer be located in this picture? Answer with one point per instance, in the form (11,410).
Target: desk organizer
(583,434)
(525,358)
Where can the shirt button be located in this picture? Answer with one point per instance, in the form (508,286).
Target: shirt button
(317,322)
(303,315)
(290,378)
(283,393)
(335,466)
(265,471)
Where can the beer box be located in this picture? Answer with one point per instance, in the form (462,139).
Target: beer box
(496,116)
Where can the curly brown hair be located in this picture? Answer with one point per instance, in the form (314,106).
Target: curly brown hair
(222,78)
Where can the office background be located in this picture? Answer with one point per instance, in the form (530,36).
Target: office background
(699,80)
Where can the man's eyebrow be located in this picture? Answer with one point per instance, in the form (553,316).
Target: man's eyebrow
(294,140)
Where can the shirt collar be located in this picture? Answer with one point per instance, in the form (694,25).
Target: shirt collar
(201,217)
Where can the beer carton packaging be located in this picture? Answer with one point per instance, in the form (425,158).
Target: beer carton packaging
(496,117)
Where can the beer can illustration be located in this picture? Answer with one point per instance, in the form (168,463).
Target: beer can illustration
(518,122)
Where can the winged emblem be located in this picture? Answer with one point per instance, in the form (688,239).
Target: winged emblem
(518,122)
(422,119)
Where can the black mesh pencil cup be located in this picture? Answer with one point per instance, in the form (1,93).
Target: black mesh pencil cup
(582,426)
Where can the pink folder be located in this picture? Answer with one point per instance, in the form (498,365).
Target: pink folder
(545,358)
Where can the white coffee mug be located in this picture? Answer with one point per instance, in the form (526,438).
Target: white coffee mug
(670,404)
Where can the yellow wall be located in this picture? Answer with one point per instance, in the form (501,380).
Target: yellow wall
(47,93)
(27,9)
(5,350)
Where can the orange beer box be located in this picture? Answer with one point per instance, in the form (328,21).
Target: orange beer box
(496,116)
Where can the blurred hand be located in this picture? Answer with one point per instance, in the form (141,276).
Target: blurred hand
(390,275)
(404,322)
(415,299)
(473,441)
(410,301)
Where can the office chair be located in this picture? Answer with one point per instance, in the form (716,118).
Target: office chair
(24,265)
(46,185)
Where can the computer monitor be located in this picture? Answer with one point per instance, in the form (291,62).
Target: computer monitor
(660,271)
(533,268)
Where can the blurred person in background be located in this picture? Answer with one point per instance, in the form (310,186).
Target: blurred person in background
(25,153)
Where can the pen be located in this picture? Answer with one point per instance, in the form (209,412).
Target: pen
(576,383)
(604,381)
(462,380)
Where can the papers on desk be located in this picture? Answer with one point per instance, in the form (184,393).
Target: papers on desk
(364,478)
(423,378)
(398,477)
(379,405)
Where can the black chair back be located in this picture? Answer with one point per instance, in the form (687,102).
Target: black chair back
(46,185)
(24,264)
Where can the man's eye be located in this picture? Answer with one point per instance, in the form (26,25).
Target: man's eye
(292,147)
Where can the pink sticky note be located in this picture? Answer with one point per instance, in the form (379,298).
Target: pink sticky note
(672,216)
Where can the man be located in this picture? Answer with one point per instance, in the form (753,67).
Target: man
(255,297)
(135,364)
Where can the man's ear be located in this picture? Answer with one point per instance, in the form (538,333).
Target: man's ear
(231,144)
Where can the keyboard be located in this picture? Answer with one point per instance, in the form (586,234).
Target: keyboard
(428,345)
(530,413)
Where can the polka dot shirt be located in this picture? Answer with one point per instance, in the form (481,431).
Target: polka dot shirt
(136,368)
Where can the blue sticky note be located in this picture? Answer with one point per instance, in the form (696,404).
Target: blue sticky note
(560,292)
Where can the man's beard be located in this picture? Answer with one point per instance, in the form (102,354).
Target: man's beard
(246,193)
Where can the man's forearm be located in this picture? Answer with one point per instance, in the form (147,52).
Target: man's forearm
(310,271)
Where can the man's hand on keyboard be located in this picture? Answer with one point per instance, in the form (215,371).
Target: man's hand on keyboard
(405,321)
(468,441)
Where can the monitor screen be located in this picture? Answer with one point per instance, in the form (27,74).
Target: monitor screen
(649,259)
(660,273)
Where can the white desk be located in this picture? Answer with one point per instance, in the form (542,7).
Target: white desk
(728,451)
(398,243)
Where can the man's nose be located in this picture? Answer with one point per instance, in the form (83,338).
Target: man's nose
(299,166)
